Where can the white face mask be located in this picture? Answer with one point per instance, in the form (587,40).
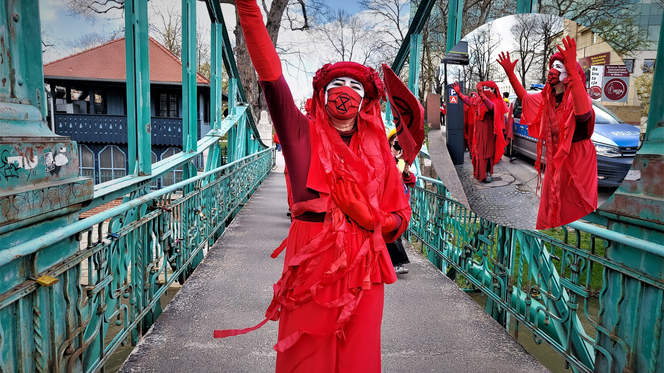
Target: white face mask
(558,65)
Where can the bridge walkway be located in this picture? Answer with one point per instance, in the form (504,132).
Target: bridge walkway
(429,324)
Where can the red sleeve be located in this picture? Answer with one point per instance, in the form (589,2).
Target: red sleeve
(259,45)
(292,128)
(530,107)
(409,179)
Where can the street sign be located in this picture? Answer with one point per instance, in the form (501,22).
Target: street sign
(615,89)
(454,100)
(596,75)
(616,71)
(458,55)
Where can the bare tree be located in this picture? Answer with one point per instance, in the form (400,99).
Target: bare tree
(348,38)
(611,19)
(391,18)
(482,45)
(168,28)
(91,9)
(91,40)
(529,44)
(547,26)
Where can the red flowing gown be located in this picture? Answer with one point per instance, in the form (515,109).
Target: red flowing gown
(569,187)
(311,338)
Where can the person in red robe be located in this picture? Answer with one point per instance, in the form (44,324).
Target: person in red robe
(348,201)
(488,140)
(562,119)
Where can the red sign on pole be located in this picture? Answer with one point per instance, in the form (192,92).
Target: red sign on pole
(454,100)
(616,89)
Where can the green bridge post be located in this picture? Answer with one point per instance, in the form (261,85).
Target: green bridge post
(637,210)
(40,191)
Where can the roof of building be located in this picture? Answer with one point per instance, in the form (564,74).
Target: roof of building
(107,62)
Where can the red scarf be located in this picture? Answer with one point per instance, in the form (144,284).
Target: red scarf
(369,162)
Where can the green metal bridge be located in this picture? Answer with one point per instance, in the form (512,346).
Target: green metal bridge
(73,291)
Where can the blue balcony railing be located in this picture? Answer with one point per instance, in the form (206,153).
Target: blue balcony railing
(112,129)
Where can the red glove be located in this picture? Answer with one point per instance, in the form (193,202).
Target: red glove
(455,87)
(349,198)
(261,50)
(508,66)
(576,86)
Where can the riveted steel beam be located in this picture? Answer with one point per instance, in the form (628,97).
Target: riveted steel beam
(189,77)
(138,87)
(416,26)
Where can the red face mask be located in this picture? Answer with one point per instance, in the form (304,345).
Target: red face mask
(488,93)
(553,78)
(343,102)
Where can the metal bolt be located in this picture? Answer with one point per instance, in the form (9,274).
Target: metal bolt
(16,17)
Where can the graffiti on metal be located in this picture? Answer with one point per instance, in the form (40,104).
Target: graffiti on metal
(108,290)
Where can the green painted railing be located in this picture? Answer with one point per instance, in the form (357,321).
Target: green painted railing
(127,257)
(72,290)
(549,282)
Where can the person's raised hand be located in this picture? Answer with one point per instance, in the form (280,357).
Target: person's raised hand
(350,200)
(569,53)
(505,62)
(479,87)
(456,87)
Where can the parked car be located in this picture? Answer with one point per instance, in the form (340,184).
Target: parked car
(616,143)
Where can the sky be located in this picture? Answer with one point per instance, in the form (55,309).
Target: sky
(59,26)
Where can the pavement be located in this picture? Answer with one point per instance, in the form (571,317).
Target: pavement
(429,324)
(510,199)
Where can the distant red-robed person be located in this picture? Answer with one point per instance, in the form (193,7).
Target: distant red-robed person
(488,140)
(562,119)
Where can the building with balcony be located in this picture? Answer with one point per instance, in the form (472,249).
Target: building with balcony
(87,102)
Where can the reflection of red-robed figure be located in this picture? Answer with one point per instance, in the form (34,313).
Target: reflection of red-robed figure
(562,120)
(348,200)
(488,140)
(469,116)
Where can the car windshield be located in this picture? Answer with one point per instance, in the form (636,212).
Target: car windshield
(604,115)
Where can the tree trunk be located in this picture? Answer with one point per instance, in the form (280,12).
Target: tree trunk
(246,71)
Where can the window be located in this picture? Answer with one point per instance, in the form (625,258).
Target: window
(99,102)
(111,164)
(630,65)
(174,176)
(648,66)
(87,161)
(168,105)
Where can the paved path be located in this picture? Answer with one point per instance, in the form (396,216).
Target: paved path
(429,325)
(509,200)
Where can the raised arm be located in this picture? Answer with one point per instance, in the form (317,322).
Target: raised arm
(291,125)
(508,66)
(480,92)
(465,99)
(263,54)
(577,87)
